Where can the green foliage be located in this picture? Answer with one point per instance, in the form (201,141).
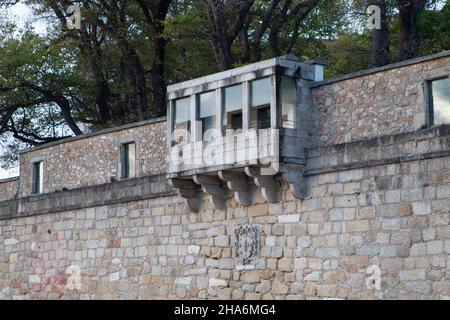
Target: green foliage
(434,28)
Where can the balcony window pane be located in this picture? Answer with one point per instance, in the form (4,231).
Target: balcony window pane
(207,110)
(439,101)
(232,113)
(260,92)
(181,118)
(260,103)
(287,102)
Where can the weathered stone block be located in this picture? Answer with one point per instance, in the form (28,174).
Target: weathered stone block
(356,226)
(435,247)
(421,208)
(193,249)
(332,277)
(285,264)
(290,218)
(258,210)
(217,282)
(418,249)
(327,253)
(409,275)
(252,276)
(222,241)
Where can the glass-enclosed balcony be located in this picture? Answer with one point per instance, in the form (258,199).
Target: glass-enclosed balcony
(248,122)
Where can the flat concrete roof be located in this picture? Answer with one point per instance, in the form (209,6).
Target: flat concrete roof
(289,60)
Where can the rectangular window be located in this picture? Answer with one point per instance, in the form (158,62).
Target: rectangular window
(128,160)
(38,177)
(439,101)
(287,102)
(232,110)
(260,103)
(206,112)
(181,119)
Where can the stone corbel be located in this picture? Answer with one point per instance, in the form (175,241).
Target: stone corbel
(237,182)
(188,190)
(269,186)
(212,186)
(293,175)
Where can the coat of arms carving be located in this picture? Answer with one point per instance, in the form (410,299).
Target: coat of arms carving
(247,242)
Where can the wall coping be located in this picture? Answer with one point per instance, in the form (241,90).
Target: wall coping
(396,65)
(430,133)
(156,186)
(95,133)
(11,179)
(134,189)
(422,134)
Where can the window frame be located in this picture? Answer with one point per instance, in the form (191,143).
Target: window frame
(198,106)
(271,105)
(125,163)
(223,108)
(37,183)
(429,98)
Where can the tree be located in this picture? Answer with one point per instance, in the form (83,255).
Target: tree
(35,76)
(155,13)
(380,37)
(409,13)
(226,30)
(433,26)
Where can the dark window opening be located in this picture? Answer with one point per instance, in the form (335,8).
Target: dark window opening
(38,177)
(128,160)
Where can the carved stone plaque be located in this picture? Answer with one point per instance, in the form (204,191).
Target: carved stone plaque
(247,242)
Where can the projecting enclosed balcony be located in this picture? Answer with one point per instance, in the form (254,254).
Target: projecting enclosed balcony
(248,123)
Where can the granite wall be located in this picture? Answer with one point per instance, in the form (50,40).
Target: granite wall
(141,241)
(9,188)
(94,159)
(370,103)
(378,199)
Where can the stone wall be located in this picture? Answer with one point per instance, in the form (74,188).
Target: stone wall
(394,216)
(9,188)
(360,106)
(380,202)
(316,248)
(373,103)
(94,159)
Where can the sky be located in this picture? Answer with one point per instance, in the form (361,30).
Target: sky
(21,13)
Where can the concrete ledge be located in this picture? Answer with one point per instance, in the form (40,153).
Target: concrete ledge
(111,193)
(9,179)
(412,146)
(374,163)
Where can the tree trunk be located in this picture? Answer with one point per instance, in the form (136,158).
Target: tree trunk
(155,13)
(222,47)
(157,75)
(409,12)
(380,38)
